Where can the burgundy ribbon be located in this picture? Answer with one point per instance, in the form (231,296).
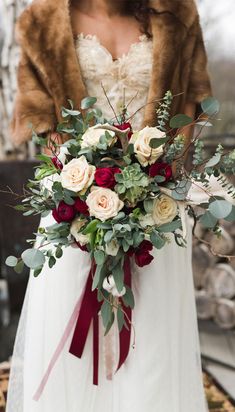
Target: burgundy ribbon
(125,334)
(89,310)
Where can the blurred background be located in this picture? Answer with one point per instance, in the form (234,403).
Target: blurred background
(214,277)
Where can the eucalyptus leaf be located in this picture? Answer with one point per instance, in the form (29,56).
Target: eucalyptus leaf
(118,274)
(157,240)
(97,277)
(33,258)
(155,143)
(208,220)
(106,313)
(88,102)
(19,267)
(231,216)
(210,106)
(128,298)
(180,120)
(11,261)
(170,227)
(214,160)
(220,209)
(148,205)
(99,256)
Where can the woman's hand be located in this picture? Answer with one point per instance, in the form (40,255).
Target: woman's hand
(53,139)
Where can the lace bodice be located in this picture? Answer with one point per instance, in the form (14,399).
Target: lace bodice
(125,80)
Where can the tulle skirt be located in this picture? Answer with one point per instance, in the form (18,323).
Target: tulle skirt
(163,371)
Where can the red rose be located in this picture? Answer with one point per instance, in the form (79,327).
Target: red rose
(57,163)
(81,207)
(125,126)
(142,255)
(63,213)
(162,169)
(143,259)
(146,246)
(104,176)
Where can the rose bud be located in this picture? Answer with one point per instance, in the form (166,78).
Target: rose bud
(162,169)
(63,213)
(81,206)
(104,176)
(142,255)
(57,163)
(143,258)
(125,126)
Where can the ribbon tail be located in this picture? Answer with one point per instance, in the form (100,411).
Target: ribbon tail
(95,350)
(89,311)
(125,334)
(58,350)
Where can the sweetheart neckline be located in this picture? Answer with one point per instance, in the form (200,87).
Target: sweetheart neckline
(93,37)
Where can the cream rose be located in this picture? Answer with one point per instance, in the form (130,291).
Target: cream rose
(112,247)
(75,228)
(77,175)
(92,136)
(110,286)
(141,140)
(164,210)
(103,203)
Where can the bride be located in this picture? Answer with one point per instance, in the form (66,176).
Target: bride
(135,50)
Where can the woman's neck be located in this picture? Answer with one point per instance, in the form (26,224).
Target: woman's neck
(98,8)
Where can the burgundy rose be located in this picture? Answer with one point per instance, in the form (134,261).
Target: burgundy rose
(63,213)
(81,206)
(125,126)
(143,259)
(162,169)
(57,163)
(142,255)
(104,176)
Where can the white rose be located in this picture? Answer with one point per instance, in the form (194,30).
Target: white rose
(77,175)
(164,210)
(110,286)
(92,136)
(146,220)
(112,248)
(63,154)
(141,140)
(103,203)
(75,228)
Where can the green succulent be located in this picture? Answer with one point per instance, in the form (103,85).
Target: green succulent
(132,184)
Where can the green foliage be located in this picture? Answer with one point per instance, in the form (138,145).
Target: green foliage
(33,258)
(180,120)
(210,106)
(174,149)
(163,111)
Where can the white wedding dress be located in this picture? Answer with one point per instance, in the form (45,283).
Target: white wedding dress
(163,372)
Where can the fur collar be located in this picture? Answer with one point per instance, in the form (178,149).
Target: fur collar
(45,33)
(41,12)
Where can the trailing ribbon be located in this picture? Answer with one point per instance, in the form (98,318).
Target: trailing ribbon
(125,334)
(85,312)
(89,310)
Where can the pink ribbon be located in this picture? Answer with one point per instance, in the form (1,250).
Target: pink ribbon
(85,312)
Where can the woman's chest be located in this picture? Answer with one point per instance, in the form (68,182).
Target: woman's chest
(133,68)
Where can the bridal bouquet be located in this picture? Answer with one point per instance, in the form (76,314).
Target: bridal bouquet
(117,193)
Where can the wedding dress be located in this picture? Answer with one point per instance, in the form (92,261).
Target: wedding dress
(163,372)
